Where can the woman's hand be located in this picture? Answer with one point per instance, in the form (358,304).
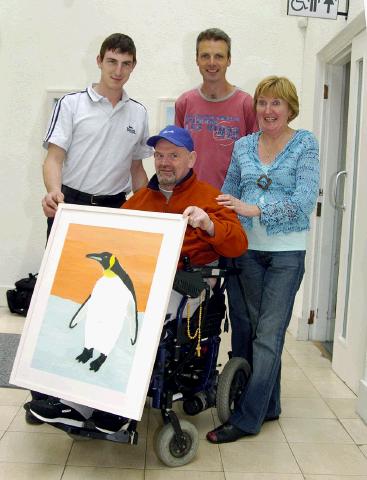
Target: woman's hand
(241,208)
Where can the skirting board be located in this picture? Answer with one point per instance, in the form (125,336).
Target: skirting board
(298,328)
(362,400)
(3,289)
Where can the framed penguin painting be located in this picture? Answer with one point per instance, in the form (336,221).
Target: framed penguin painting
(98,308)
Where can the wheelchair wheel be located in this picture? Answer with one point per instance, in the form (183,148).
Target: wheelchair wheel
(231,384)
(167,448)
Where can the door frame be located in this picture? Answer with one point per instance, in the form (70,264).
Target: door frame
(328,68)
(350,328)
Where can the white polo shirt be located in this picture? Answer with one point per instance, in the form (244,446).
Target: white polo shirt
(100,141)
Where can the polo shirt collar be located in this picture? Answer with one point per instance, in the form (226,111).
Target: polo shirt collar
(96,97)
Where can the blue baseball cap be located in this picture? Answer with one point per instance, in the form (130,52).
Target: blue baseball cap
(176,135)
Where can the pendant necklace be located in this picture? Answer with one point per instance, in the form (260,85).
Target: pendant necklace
(264,181)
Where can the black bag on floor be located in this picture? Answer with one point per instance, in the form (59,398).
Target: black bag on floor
(19,298)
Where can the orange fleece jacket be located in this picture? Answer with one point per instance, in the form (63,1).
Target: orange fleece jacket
(229,238)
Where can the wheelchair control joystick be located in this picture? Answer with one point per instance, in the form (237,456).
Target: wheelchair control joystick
(187,264)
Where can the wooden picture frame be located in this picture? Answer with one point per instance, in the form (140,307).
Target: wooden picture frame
(83,252)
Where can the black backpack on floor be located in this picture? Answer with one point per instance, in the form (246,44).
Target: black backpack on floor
(19,298)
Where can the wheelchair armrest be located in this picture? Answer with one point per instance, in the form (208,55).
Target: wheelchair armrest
(216,272)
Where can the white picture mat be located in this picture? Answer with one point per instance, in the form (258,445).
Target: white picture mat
(131,403)
(166,112)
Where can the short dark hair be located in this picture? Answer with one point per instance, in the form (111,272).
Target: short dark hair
(213,34)
(120,42)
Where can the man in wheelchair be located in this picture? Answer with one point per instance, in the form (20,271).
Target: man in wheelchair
(213,231)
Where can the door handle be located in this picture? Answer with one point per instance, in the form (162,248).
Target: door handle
(336,187)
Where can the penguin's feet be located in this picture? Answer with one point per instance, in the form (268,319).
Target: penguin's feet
(86,354)
(97,362)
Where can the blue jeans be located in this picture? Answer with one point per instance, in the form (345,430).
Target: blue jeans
(270,281)
(241,333)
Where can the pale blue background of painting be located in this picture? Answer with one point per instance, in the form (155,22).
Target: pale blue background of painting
(58,346)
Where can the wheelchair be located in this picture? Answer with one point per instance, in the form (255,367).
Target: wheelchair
(185,370)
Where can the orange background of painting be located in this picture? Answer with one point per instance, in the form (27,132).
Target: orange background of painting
(137,253)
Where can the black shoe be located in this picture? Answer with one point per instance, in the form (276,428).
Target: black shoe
(53,411)
(225,433)
(39,395)
(108,422)
(29,418)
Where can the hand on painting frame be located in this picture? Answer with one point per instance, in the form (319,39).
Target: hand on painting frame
(198,218)
(50,203)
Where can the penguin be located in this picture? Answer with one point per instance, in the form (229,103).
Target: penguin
(111,303)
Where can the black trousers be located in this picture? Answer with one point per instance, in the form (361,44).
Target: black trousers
(80,198)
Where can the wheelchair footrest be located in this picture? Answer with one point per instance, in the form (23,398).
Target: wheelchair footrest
(129,435)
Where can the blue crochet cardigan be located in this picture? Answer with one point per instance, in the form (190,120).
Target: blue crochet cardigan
(287,204)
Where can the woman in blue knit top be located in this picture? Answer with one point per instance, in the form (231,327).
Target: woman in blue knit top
(272,184)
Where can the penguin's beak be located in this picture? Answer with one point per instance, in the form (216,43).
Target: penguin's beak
(94,256)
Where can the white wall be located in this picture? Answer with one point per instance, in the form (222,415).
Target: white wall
(46,45)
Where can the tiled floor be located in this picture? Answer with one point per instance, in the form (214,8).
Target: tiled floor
(318,437)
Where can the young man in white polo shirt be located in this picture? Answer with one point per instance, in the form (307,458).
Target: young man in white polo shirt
(95,142)
(96,138)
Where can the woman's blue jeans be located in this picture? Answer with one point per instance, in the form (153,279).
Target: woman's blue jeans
(269,282)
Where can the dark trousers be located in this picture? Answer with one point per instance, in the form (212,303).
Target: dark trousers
(80,198)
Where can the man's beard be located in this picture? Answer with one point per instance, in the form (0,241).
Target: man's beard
(165,180)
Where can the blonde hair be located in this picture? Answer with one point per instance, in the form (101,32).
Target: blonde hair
(279,87)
